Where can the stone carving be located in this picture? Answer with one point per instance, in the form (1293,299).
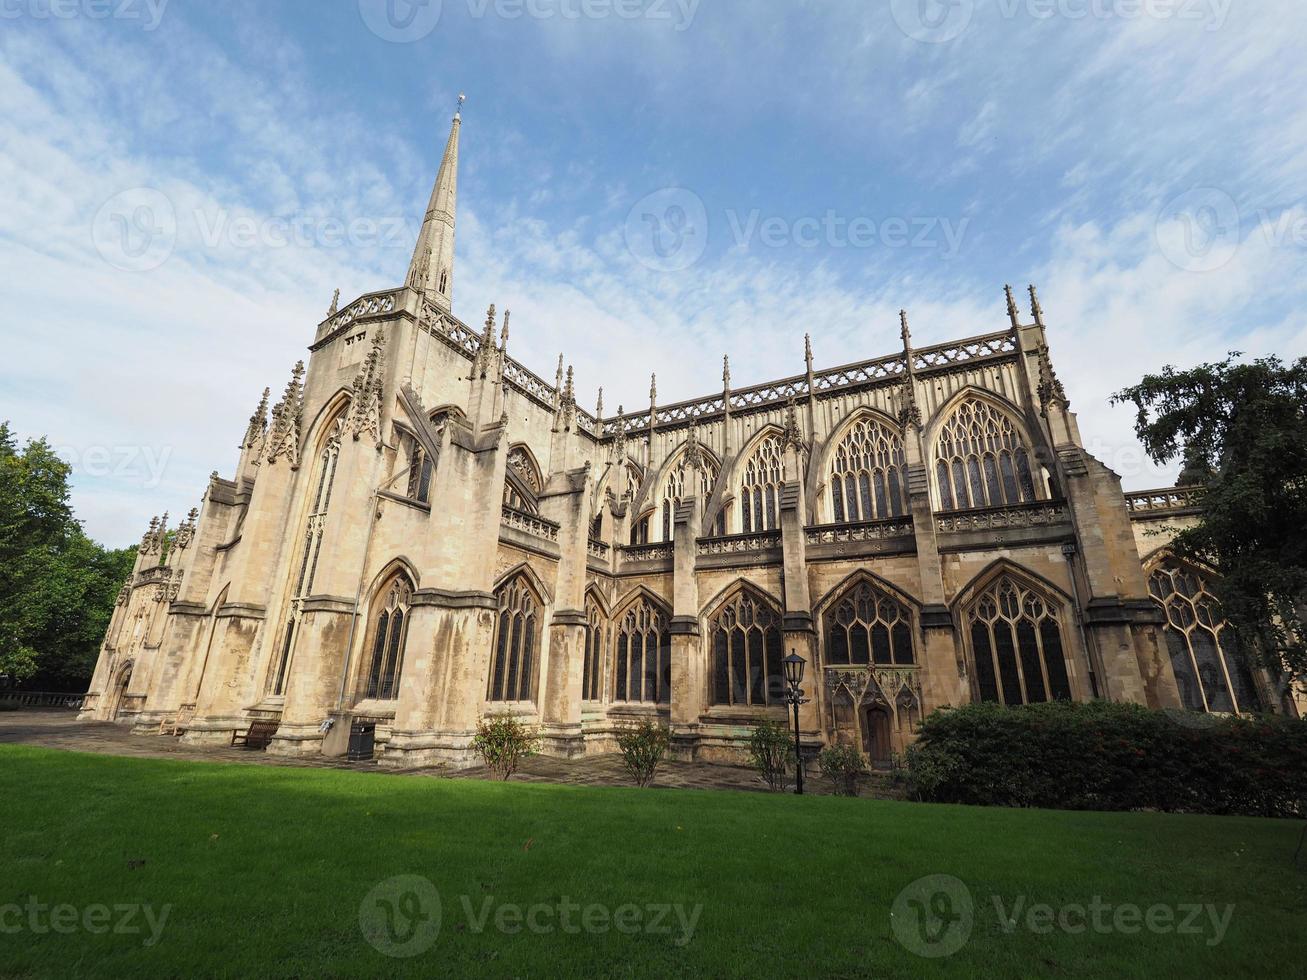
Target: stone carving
(287,418)
(365,393)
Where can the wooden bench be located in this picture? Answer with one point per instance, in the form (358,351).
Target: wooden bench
(175,724)
(257,736)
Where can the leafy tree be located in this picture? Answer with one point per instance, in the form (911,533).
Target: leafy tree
(57,586)
(1243,426)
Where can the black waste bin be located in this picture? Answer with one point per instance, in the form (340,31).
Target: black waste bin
(362,736)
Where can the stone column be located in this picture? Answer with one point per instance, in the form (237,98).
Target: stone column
(800,635)
(565,501)
(687,646)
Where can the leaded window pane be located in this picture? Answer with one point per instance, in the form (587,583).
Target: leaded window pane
(745,636)
(868,458)
(1016,645)
(1210,672)
(981,459)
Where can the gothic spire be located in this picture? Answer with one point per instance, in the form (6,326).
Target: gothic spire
(503,334)
(258,422)
(335,304)
(599,407)
(1036,310)
(1012,313)
(432,267)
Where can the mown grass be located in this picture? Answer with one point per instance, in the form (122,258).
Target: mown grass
(264,870)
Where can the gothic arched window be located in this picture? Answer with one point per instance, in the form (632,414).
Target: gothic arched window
(1210,672)
(1017,644)
(419,470)
(517,643)
(591,671)
(523,466)
(389,630)
(642,655)
(867,473)
(745,638)
(760,486)
(981,459)
(686,480)
(324,478)
(868,626)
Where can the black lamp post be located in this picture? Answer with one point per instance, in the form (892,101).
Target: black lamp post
(793,678)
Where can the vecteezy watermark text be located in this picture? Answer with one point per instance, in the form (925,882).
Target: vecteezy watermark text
(127,919)
(934,917)
(941,21)
(148,12)
(402,917)
(406,21)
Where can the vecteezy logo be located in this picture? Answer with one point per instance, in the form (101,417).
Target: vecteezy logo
(668,229)
(400,917)
(933,916)
(401,21)
(1199,230)
(932,21)
(135,230)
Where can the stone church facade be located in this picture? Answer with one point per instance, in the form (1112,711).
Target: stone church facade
(422,532)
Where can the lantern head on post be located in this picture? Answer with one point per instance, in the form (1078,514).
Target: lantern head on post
(794,665)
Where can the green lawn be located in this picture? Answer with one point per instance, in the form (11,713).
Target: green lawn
(262,871)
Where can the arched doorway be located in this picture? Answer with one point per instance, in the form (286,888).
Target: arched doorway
(119,692)
(877,737)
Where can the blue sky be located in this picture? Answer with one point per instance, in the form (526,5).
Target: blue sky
(1143,161)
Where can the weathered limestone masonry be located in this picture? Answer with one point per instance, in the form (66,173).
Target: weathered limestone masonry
(422,531)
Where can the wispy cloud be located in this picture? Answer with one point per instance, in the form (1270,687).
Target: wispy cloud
(1061,142)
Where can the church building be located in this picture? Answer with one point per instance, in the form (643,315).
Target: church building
(422,532)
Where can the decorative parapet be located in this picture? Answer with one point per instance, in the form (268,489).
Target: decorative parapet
(1040,514)
(662,551)
(734,544)
(597,549)
(373,304)
(897,527)
(1148,504)
(876,371)
(882,370)
(532,524)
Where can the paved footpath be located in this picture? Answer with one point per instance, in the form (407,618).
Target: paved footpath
(60,729)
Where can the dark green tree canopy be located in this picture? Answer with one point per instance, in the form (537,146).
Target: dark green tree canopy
(57,586)
(1244,426)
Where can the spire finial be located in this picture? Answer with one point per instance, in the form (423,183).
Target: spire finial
(1036,310)
(431,270)
(335,304)
(568,388)
(458,109)
(503,334)
(653,389)
(807,350)
(1012,313)
(904,332)
(599,406)
(726,370)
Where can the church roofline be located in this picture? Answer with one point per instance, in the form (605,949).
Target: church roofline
(389,303)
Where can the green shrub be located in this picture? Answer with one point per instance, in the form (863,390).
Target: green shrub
(643,748)
(503,742)
(1103,755)
(843,766)
(771,751)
